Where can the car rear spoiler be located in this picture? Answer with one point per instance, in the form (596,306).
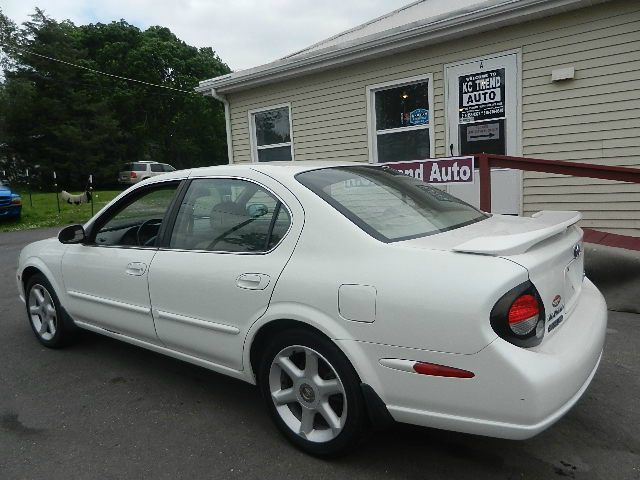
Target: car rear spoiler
(550,223)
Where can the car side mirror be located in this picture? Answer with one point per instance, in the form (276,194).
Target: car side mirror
(72,234)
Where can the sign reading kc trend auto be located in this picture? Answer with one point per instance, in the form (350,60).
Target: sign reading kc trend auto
(441,171)
(481,95)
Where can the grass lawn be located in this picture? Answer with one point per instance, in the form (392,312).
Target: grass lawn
(44,212)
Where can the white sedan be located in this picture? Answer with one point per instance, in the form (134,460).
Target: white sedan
(350,294)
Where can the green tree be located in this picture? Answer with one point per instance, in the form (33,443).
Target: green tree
(78,121)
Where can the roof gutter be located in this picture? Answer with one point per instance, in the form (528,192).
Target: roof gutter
(227,119)
(495,14)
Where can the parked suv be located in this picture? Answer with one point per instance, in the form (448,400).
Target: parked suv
(135,171)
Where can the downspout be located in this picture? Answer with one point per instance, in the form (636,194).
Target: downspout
(227,121)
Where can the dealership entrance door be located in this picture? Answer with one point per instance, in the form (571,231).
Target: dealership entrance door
(482,98)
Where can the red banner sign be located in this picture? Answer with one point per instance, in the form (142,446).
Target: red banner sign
(441,171)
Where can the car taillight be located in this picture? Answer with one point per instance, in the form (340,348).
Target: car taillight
(16,201)
(518,317)
(523,314)
(134,175)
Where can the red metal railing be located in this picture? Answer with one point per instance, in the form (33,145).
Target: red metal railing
(487,161)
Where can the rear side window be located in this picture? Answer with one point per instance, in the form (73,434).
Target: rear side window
(388,205)
(135,167)
(156,167)
(229,215)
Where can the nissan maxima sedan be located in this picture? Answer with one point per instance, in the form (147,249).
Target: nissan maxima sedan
(351,294)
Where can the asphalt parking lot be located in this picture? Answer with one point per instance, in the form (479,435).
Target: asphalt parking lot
(104,409)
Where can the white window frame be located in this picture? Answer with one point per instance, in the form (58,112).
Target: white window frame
(253,136)
(371,113)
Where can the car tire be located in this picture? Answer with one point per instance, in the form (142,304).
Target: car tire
(312,393)
(49,322)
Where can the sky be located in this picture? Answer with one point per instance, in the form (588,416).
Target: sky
(244,33)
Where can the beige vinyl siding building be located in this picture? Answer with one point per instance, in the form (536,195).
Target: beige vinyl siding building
(594,117)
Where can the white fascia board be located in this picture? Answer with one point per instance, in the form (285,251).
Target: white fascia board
(205,86)
(492,15)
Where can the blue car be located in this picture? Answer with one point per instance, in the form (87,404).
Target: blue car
(10,202)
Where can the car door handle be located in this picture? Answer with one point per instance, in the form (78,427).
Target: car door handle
(136,268)
(253,281)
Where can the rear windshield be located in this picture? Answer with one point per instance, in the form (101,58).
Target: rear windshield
(135,166)
(387,204)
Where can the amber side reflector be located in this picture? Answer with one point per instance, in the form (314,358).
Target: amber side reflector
(436,370)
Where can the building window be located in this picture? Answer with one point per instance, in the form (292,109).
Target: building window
(271,138)
(401,120)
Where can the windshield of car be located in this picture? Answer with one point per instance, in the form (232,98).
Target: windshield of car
(387,204)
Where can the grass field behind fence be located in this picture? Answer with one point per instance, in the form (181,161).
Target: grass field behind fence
(44,212)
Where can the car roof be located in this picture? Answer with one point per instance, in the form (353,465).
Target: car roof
(273,168)
(279,170)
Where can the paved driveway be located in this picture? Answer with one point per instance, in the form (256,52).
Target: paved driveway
(104,409)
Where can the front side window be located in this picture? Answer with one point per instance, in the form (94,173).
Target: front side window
(403,122)
(388,205)
(156,167)
(137,222)
(271,135)
(229,215)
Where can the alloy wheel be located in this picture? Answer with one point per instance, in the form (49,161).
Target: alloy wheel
(308,394)
(42,312)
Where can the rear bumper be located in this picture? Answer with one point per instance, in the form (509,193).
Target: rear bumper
(516,392)
(491,428)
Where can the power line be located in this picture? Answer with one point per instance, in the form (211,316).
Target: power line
(119,77)
(93,85)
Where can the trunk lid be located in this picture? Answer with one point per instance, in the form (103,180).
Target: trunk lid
(548,245)
(556,268)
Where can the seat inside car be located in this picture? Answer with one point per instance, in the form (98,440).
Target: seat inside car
(227,215)
(200,193)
